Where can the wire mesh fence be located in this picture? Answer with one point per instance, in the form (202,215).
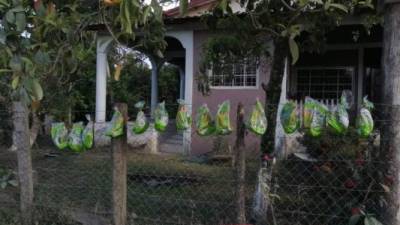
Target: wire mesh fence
(337,178)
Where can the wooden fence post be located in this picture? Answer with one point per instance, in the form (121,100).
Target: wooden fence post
(240,166)
(119,148)
(25,175)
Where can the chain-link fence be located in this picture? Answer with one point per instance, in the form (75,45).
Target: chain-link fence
(336,180)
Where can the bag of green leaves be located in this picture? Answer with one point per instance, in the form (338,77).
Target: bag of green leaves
(289,117)
(204,122)
(318,119)
(222,120)
(257,122)
(88,134)
(75,142)
(308,109)
(141,124)
(115,127)
(161,117)
(59,135)
(364,122)
(338,120)
(183,118)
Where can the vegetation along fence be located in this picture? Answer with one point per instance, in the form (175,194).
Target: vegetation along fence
(328,180)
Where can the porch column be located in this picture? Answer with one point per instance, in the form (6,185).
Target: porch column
(103,43)
(182,83)
(154,85)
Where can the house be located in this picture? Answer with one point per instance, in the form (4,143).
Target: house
(351,61)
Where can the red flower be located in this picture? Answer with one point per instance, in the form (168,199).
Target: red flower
(355,211)
(267,157)
(350,184)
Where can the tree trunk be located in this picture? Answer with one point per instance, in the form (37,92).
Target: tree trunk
(272,95)
(240,164)
(21,142)
(391,71)
(119,147)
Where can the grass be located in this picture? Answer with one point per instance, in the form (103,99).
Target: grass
(161,189)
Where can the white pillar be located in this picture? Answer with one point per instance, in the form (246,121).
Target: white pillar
(182,83)
(154,85)
(101,77)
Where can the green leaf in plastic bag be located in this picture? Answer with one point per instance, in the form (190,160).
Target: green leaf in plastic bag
(116,126)
(318,119)
(141,124)
(88,134)
(183,118)
(289,117)
(59,135)
(161,117)
(338,120)
(308,109)
(204,122)
(364,121)
(222,120)
(257,122)
(75,142)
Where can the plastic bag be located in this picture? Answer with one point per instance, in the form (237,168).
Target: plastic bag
(75,142)
(257,122)
(88,134)
(141,124)
(116,126)
(289,117)
(308,109)
(161,117)
(364,122)
(59,135)
(222,120)
(183,118)
(318,119)
(204,122)
(338,120)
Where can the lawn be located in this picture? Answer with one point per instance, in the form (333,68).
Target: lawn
(162,189)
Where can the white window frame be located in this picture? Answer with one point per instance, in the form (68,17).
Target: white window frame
(210,74)
(293,83)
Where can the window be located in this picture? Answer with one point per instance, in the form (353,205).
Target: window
(322,82)
(239,75)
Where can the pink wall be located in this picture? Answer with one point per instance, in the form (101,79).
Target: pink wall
(217,96)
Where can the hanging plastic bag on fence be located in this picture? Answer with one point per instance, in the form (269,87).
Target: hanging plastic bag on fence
(115,127)
(141,124)
(257,122)
(161,117)
(222,120)
(59,135)
(204,122)
(183,118)
(308,109)
(75,142)
(364,122)
(318,118)
(338,120)
(88,133)
(289,117)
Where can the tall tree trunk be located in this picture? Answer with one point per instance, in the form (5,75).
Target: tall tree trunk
(272,95)
(240,166)
(21,142)
(391,71)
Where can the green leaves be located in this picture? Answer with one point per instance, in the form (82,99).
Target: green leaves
(294,50)
(354,219)
(3,36)
(183,6)
(370,220)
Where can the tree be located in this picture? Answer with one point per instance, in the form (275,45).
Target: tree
(391,72)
